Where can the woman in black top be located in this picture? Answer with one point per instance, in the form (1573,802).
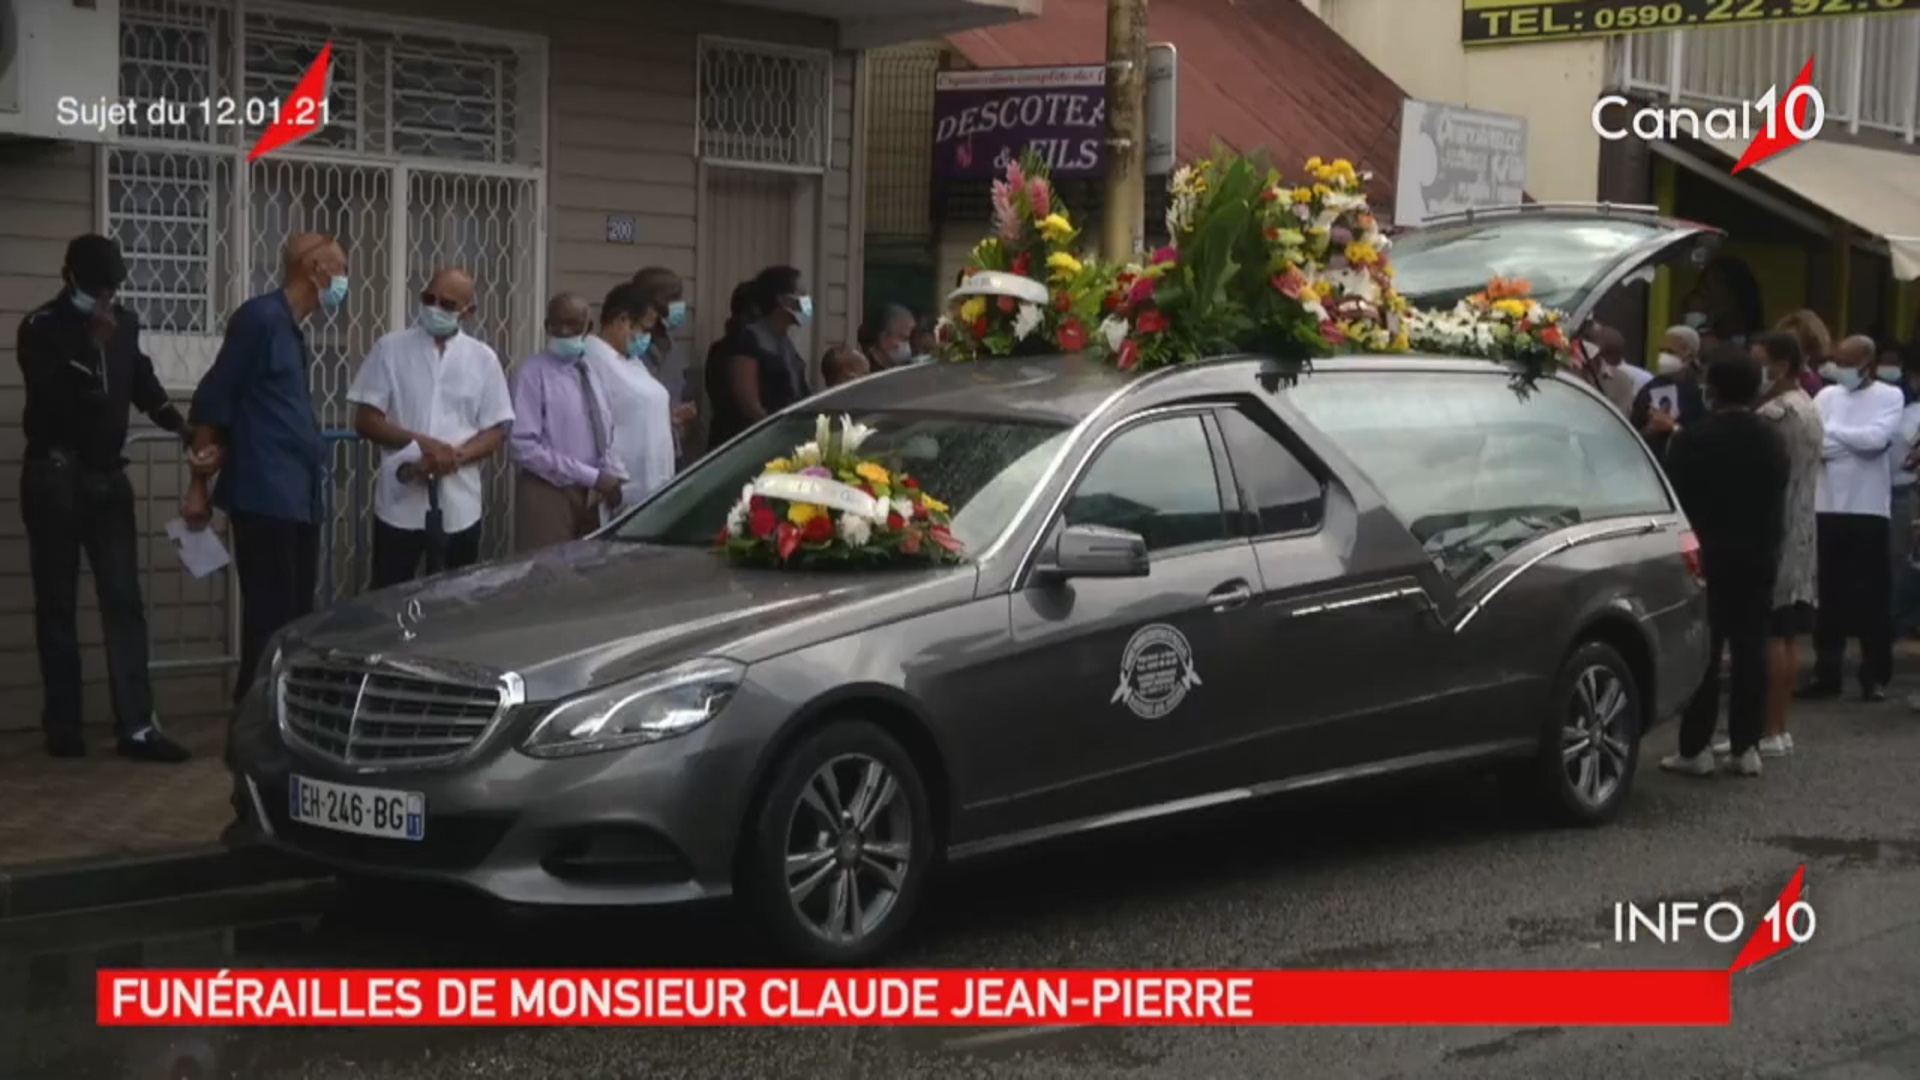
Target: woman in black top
(760,372)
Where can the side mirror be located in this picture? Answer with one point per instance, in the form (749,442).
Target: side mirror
(1095,551)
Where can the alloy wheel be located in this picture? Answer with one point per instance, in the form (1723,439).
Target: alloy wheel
(849,848)
(1594,736)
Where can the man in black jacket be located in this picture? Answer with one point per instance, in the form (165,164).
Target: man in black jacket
(1671,401)
(1730,470)
(81,363)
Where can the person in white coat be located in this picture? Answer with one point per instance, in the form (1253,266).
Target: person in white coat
(1861,416)
(642,407)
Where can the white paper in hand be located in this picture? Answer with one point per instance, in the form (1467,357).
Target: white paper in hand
(201,551)
(390,490)
(1665,399)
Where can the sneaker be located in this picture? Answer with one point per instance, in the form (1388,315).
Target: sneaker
(1747,764)
(1817,691)
(67,745)
(148,744)
(1873,694)
(1776,746)
(1700,764)
(1722,746)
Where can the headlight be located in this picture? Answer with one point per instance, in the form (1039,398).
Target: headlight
(643,710)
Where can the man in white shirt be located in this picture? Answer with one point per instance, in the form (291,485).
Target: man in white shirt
(1861,415)
(436,403)
(631,318)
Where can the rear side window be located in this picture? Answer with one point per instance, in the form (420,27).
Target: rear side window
(1474,469)
(1281,494)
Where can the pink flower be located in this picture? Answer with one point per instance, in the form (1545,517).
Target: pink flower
(1006,221)
(1164,255)
(816,470)
(1141,291)
(1301,211)
(1039,197)
(1290,284)
(1342,235)
(1332,332)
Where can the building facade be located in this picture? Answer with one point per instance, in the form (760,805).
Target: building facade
(543,148)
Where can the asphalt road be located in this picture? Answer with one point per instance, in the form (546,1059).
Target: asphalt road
(1434,875)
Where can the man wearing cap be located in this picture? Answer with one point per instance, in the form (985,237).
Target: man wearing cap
(81,365)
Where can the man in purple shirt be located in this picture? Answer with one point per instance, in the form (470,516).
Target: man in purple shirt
(562,436)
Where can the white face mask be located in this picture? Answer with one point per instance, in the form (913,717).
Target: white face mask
(1670,364)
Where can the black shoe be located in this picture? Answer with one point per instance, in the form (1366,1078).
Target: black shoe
(1817,691)
(70,745)
(150,745)
(1873,694)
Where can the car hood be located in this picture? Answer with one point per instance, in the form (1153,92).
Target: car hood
(592,612)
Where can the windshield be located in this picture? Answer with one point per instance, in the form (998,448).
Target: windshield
(1563,260)
(983,469)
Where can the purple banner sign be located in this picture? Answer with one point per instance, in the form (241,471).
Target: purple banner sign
(986,118)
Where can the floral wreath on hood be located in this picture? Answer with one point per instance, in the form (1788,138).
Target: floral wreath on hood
(827,506)
(1256,265)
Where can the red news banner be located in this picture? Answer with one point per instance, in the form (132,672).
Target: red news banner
(941,998)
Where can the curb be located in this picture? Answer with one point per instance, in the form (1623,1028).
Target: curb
(62,888)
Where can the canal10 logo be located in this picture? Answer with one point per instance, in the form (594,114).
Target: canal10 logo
(1669,922)
(1798,116)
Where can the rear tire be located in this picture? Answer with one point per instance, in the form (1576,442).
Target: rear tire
(839,848)
(1589,749)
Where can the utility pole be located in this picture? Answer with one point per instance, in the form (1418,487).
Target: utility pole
(1124,230)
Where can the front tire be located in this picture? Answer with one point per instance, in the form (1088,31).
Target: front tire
(1590,744)
(839,849)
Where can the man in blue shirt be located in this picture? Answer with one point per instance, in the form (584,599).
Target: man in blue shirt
(255,428)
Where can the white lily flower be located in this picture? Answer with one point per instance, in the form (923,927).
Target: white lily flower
(1026,321)
(805,455)
(822,433)
(1356,283)
(1114,329)
(903,507)
(852,434)
(737,518)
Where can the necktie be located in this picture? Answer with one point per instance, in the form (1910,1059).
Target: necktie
(599,422)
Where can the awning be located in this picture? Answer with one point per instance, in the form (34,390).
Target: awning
(1878,191)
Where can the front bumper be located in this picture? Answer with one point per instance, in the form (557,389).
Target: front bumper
(649,825)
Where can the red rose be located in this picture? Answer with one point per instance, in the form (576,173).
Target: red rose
(1150,322)
(1112,302)
(756,503)
(980,327)
(1072,336)
(944,333)
(1269,195)
(1006,304)
(1022,263)
(818,530)
(1553,338)
(760,521)
(909,483)
(1273,235)
(789,540)
(1062,302)
(1129,355)
(1164,255)
(1141,292)
(919,510)
(895,522)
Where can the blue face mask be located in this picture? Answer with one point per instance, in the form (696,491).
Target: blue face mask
(676,314)
(1697,320)
(439,322)
(567,348)
(638,344)
(1848,378)
(335,293)
(803,310)
(83,302)
(1889,374)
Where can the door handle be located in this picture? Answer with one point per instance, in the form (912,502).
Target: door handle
(1230,596)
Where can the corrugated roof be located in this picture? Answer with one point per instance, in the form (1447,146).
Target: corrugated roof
(1254,74)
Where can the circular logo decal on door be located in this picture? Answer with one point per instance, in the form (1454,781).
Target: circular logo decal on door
(1155,672)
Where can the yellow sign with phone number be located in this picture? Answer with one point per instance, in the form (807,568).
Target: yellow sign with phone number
(1508,22)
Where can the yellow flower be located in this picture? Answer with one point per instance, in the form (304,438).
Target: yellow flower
(1056,227)
(1514,308)
(973,309)
(873,474)
(1313,164)
(1400,341)
(1309,296)
(1063,265)
(779,465)
(801,513)
(933,505)
(1302,195)
(1322,190)
(1361,253)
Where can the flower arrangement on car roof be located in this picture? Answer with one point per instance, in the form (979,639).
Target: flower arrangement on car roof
(1503,322)
(827,506)
(1255,266)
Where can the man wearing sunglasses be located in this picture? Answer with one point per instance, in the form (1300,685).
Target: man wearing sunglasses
(435,401)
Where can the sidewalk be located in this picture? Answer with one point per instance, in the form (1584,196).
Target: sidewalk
(103,830)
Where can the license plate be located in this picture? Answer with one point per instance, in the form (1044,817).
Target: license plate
(394,815)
